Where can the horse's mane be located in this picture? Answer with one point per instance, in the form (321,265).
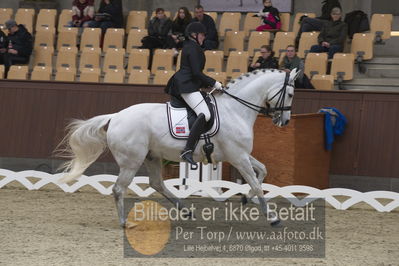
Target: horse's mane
(244,79)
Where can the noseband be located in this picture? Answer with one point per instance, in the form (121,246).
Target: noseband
(267,111)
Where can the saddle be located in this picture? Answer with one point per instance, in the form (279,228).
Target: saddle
(181,117)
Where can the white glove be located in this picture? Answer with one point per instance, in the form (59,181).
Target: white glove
(218,86)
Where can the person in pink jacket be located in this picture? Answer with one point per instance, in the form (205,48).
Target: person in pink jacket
(270,17)
(82,12)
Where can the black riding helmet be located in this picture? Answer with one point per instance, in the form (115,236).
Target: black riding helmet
(195,27)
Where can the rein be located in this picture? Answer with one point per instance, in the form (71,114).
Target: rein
(267,110)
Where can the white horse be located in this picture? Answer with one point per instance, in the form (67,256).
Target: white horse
(139,135)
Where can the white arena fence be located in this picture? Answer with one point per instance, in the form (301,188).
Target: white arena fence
(211,188)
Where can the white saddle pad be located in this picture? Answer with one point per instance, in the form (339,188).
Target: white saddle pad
(178,122)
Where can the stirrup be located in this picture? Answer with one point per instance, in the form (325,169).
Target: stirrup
(188,157)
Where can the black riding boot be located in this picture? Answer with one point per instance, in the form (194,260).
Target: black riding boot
(195,133)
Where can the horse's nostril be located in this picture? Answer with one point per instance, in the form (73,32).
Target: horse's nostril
(286,122)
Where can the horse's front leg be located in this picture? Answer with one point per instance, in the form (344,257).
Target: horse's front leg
(244,166)
(261,172)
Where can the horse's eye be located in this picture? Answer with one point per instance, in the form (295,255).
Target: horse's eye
(290,95)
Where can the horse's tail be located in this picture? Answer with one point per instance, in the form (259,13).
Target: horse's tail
(85,141)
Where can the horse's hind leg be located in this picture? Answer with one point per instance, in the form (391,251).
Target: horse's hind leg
(244,166)
(125,177)
(154,168)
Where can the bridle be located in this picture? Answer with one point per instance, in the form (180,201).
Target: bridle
(267,111)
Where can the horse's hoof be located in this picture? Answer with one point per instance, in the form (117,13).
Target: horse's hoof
(244,200)
(276,224)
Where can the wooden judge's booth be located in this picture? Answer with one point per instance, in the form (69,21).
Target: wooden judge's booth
(294,154)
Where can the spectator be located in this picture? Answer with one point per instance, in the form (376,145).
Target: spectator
(212,40)
(109,15)
(316,24)
(82,13)
(266,60)
(158,30)
(332,35)
(270,17)
(3,46)
(292,61)
(176,38)
(19,47)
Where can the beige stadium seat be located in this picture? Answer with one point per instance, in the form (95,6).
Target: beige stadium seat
(44,37)
(41,73)
(114,59)
(18,72)
(256,56)
(163,60)
(281,58)
(282,40)
(43,56)
(67,38)
(214,61)
(46,18)
(229,22)
(113,38)
(362,46)
(342,67)
(323,82)
(136,20)
(90,38)
(114,76)
(162,77)
(3,29)
(233,41)
(237,63)
(256,40)
(134,38)
(296,25)
(64,19)
(139,76)
(381,26)
(8,11)
(285,21)
(316,63)
(219,76)
(1,71)
(65,74)
(90,58)
(89,75)
(305,43)
(66,57)
(138,59)
(25,16)
(213,15)
(251,23)
(4,17)
(178,62)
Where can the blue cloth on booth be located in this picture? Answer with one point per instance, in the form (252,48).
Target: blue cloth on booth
(334,125)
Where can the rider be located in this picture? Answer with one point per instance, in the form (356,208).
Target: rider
(186,83)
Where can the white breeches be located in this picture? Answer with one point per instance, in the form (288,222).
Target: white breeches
(197,102)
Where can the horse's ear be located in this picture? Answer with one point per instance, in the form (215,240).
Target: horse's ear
(295,73)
